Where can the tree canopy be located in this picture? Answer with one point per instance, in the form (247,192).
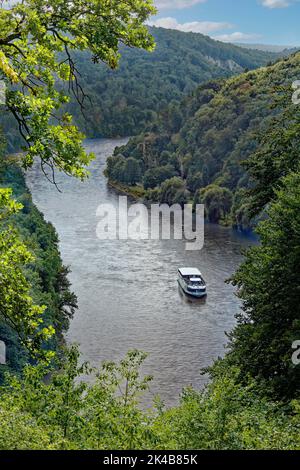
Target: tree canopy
(36,43)
(206,139)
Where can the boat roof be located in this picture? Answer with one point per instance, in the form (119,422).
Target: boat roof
(190,272)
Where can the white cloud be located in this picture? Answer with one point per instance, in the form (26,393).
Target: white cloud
(204,27)
(8,3)
(276,3)
(176,4)
(237,37)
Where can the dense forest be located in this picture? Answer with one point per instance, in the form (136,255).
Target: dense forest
(45,272)
(195,150)
(123,101)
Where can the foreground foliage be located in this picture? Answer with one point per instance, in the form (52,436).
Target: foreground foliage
(124,101)
(67,414)
(16,305)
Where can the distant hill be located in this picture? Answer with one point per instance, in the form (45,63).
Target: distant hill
(194,151)
(270,48)
(125,101)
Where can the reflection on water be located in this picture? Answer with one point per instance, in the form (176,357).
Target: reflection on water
(189,299)
(127,290)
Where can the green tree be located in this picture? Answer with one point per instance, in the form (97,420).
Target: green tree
(217,201)
(36,43)
(113,418)
(221,127)
(268,279)
(19,430)
(70,413)
(228,415)
(65,413)
(45,273)
(17,308)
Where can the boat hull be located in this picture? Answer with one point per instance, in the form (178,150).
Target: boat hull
(195,294)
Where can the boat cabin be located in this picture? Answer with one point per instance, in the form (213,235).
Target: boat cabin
(192,276)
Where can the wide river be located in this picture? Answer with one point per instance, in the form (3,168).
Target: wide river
(127,290)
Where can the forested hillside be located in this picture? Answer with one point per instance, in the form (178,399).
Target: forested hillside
(35,301)
(124,101)
(267,47)
(195,150)
(252,401)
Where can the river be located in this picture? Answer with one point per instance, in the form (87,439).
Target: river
(127,290)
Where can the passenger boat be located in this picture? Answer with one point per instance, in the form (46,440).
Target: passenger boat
(192,282)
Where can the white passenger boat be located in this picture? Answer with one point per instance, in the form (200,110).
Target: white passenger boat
(192,282)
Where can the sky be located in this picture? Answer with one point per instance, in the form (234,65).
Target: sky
(273,22)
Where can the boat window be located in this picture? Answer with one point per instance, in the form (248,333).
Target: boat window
(197,282)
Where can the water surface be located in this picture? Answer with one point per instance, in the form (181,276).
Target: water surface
(127,290)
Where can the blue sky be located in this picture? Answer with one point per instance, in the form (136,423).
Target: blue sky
(250,21)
